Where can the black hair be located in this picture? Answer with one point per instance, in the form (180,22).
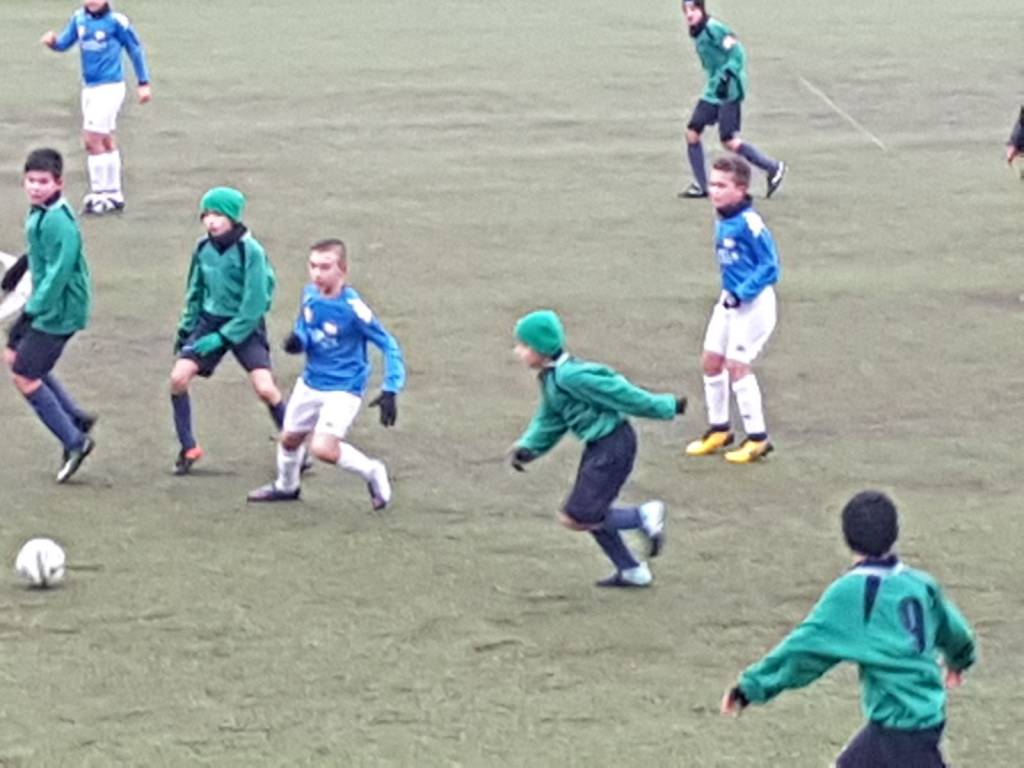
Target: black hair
(46,160)
(870,523)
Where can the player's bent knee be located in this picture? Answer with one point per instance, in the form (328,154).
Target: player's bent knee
(737,370)
(712,363)
(25,385)
(692,136)
(572,523)
(326,448)
(292,440)
(732,144)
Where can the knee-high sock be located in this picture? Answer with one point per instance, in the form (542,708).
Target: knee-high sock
(613,545)
(623,519)
(695,153)
(758,158)
(289,467)
(97,172)
(64,398)
(56,419)
(716,398)
(277,413)
(114,172)
(182,406)
(748,398)
(354,460)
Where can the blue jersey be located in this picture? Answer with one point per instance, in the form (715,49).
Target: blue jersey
(746,252)
(334,332)
(102,37)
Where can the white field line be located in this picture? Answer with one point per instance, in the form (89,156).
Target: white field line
(842,112)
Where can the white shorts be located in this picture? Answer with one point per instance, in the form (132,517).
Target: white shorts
(740,334)
(315,410)
(100,105)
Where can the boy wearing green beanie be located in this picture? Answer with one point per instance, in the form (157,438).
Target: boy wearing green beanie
(230,290)
(592,401)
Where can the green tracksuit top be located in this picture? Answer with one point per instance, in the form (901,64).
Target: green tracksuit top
(233,280)
(717,61)
(891,620)
(589,399)
(61,298)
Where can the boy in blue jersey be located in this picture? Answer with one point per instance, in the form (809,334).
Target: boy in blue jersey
(59,307)
(102,35)
(743,318)
(593,402)
(332,328)
(725,63)
(894,622)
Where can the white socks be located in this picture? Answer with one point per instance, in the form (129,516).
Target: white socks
(289,468)
(354,460)
(716,398)
(105,173)
(748,398)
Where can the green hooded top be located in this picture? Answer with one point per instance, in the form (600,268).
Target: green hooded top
(230,276)
(717,61)
(893,622)
(61,298)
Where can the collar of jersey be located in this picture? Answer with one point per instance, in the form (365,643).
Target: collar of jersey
(697,29)
(729,211)
(883,563)
(229,238)
(100,13)
(53,200)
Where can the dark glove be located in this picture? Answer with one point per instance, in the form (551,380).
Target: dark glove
(731,300)
(519,457)
(680,405)
(388,408)
(180,338)
(13,275)
(293,344)
(737,696)
(722,91)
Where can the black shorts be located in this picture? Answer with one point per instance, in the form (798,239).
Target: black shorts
(604,469)
(37,351)
(252,353)
(727,115)
(879,747)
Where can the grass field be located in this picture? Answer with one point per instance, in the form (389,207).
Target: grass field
(484,159)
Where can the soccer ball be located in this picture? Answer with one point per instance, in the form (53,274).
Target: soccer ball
(41,563)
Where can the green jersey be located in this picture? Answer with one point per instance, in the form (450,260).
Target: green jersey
(893,622)
(229,277)
(721,59)
(589,399)
(61,288)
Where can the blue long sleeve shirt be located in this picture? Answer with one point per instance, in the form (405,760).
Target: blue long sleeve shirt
(746,252)
(334,332)
(102,37)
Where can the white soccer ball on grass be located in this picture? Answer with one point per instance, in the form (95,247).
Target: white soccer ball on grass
(41,563)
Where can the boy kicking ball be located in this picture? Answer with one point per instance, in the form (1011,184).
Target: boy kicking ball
(592,401)
(333,327)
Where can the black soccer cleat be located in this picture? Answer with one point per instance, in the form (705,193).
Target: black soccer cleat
(270,493)
(73,459)
(186,459)
(775,180)
(693,192)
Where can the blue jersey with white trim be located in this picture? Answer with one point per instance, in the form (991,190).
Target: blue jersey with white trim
(102,37)
(746,253)
(334,332)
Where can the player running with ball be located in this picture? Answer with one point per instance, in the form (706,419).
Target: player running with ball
(333,327)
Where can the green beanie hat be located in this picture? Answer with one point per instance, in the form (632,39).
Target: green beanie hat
(542,331)
(225,200)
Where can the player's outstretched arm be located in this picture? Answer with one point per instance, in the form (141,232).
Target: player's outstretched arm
(63,41)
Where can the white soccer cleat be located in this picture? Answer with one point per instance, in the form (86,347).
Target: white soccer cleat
(379,486)
(653,515)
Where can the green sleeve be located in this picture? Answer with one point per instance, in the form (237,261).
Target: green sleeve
(256,295)
(954,636)
(808,652)
(611,390)
(544,431)
(734,63)
(193,296)
(62,248)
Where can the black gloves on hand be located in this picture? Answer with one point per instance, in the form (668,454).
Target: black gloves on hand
(180,338)
(292,344)
(13,275)
(388,408)
(722,91)
(680,405)
(731,300)
(737,696)
(519,457)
